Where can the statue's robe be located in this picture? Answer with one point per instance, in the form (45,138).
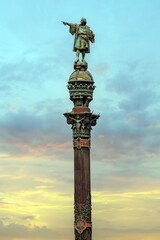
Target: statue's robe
(83,35)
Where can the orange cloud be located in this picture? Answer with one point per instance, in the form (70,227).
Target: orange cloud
(66,146)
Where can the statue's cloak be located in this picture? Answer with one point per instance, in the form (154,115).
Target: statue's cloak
(81,41)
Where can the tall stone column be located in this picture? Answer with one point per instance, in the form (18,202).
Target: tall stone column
(81,86)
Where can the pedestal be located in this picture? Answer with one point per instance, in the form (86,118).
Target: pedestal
(81,88)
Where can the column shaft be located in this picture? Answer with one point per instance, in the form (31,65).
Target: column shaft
(82,193)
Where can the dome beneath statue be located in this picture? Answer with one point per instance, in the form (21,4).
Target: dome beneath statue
(80,75)
(81,87)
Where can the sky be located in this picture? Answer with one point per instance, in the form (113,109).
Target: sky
(36,154)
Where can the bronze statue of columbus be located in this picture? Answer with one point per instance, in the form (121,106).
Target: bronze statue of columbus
(83,35)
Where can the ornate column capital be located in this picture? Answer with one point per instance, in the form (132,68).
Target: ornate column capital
(81,125)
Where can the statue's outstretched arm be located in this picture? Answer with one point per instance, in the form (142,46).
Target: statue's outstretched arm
(66,23)
(92,37)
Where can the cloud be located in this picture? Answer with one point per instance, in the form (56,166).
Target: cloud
(125,233)
(130,124)
(128,213)
(139,101)
(26,69)
(28,217)
(4,204)
(25,132)
(19,231)
(100,68)
(132,77)
(33,80)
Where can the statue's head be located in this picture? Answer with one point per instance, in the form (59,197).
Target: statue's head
(83,21)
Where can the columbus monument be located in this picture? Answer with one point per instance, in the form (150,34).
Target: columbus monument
(81,119)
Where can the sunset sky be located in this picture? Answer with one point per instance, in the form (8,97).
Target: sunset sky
(36,154)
